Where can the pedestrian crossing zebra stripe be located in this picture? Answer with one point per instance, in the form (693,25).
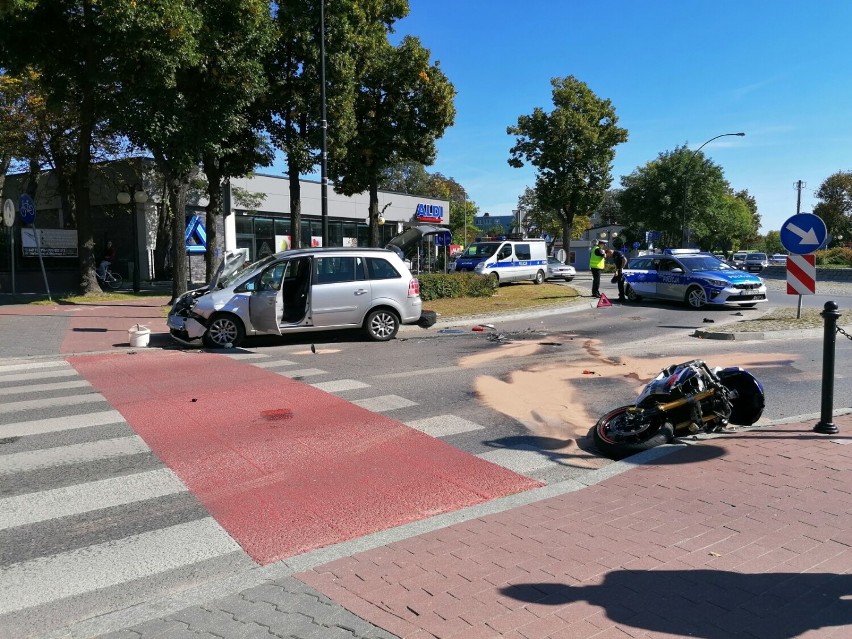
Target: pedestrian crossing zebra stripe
(56,424)
(51,402)
(43,388)
(39,581)
(384,403)
(26,377)
(444,425)
(28,366)
(72,454)
(31,508)
(277,362)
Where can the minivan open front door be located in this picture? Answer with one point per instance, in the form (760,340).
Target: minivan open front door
(266,304)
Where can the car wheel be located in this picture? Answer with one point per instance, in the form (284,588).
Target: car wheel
(381,325)
(495,279)
(696,297)
(631,294)
(223,330)
(539,277)
(569,279)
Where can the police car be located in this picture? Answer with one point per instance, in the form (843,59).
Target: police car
(687,275)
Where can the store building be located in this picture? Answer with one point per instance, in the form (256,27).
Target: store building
(127,208)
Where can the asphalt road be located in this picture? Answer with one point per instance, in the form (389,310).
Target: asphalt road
(521,393)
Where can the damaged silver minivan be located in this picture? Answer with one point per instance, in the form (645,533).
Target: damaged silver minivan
(296,291)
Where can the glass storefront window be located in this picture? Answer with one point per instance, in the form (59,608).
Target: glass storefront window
(245,234)
(350,233)
(264,237)
(335,233)
(283,240)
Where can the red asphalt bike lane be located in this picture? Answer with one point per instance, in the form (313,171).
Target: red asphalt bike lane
(284,467)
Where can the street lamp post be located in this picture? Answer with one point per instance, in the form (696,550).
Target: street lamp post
(686,178)
(136,195)
(324,150)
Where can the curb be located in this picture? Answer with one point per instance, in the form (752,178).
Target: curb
(800,333)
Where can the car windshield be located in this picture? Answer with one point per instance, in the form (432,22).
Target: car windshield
(481,249)
(705,263)
(244,270)
(553,260)
(756,257)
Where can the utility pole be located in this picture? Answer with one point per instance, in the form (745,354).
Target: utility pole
(799,186)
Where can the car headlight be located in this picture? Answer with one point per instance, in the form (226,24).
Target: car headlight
(718,283)
(479,266)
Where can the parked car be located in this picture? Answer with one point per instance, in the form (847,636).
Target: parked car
(738,259)
(756,262)
(699,279)
(779,259)
(556,270)
(298,291)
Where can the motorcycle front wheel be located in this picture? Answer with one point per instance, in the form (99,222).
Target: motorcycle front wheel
(624,432)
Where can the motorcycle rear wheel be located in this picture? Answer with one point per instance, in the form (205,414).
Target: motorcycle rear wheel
(617,437)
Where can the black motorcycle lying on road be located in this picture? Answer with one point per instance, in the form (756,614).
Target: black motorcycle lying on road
(684,399)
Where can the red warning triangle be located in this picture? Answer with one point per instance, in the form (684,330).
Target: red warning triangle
(604,301)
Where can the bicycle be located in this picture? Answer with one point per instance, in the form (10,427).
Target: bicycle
(110,278)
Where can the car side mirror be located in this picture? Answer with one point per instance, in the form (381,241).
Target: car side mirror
(677,270)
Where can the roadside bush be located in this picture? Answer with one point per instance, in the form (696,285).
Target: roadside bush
(435,286)
(838,256)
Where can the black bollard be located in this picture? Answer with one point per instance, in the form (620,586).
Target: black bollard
(825,424)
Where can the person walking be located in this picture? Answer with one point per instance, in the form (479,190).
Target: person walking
(619,260)
(597,258)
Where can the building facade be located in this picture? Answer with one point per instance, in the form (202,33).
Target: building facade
(256,216)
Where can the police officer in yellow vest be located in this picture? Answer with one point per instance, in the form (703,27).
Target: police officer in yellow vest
(596,264)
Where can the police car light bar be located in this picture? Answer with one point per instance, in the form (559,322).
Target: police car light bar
(682,251)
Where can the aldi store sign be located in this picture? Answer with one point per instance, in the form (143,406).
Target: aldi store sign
(429,213)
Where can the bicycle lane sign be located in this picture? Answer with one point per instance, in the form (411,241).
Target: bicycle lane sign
(27,208)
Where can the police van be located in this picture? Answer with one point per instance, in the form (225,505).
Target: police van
(506,259)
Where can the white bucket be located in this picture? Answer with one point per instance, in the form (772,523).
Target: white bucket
(139,336)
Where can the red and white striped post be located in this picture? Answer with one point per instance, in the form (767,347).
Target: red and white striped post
(801,277)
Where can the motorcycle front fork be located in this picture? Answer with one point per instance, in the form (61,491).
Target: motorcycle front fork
(698,421)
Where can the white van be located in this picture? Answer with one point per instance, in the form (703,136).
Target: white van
(507,260)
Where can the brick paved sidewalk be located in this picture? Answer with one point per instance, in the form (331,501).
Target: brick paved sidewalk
(745,535)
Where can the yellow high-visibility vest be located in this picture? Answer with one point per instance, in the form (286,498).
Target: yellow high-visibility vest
(596,261)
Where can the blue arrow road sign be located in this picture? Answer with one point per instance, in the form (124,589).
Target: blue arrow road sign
(803,233)
(27,208)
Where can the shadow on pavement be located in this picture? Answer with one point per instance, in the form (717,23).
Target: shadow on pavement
(711,604)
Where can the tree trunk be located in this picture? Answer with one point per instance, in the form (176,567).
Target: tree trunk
(374,212)
(213,213)
(567,228)
(295,205)
(85,230)
(163,252)
(178,187)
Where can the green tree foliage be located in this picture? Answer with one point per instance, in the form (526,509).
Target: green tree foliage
(352,28)
(772,243)
(723,224)
(198,111)
(572,148)
(538,220)
(652,199)
(79,51)
(404,104)
(835,206)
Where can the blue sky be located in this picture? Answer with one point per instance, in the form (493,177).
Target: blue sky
(676,71)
